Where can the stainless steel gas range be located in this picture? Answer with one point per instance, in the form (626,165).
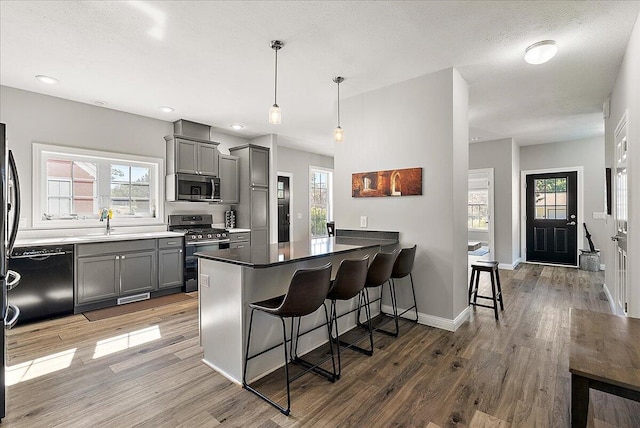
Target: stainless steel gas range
(199,235)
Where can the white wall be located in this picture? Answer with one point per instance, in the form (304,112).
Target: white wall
(503,156)
(588,153)
(297,163)
(626,95)
(32,117)
(422,122)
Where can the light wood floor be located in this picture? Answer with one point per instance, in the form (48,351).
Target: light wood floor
(145,370)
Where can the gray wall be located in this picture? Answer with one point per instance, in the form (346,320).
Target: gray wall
(589,154)
(297,163)
(626,95)
(32,117)
(422,122)
(502,156)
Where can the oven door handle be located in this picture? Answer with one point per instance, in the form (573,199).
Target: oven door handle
(217,241)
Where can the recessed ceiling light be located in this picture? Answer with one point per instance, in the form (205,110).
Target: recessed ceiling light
(236,126)
(100,103)
(47,79)
(165,109)
(541,52)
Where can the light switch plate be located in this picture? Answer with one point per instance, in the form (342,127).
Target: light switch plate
(599,215)
(204,280)
(299,216)
(363,221)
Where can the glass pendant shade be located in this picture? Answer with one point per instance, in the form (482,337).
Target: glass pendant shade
(275,115)
(338,134)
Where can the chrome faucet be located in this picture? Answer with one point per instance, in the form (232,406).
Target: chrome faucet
(105,214)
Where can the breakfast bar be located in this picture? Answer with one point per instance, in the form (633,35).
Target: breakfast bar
(230,279)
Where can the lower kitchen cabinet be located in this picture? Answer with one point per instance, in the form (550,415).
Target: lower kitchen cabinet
(108,271)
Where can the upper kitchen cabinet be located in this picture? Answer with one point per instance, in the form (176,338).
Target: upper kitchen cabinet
(191,155)
(259,166)
(229,174)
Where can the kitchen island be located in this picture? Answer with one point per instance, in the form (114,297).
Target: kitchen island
(230,279)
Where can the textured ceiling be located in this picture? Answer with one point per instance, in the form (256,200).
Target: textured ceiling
(212,63)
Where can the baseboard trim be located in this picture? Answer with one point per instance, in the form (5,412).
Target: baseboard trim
(612,305)
(507,266)
(434,321)
(222,372)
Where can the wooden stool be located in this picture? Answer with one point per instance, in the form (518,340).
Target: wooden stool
(492,268)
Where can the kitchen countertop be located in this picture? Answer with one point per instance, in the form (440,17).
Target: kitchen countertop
(97,237)
(291,252)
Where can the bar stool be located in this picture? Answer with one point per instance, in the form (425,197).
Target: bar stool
(348,284)
(378,274)
(492,268)
(402,268)
(331,228)
(307,292)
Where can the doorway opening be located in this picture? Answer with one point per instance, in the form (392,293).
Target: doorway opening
(283,195)
(552,214)
(480,225)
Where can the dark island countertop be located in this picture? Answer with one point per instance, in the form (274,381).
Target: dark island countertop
(265,256)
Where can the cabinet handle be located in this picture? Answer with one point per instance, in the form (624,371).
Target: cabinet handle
(117,257)
(122,257)
(180,251)
(172,243)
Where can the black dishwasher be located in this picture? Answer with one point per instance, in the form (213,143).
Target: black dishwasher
(46,287)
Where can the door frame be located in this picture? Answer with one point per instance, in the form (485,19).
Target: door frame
(291,227)
(523,208)
(491,207)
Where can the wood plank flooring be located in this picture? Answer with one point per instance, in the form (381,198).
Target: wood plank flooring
(145,370)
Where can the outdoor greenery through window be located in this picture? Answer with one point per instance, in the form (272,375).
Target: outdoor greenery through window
(74,184)
(478,209)
(551,198)
(319,201)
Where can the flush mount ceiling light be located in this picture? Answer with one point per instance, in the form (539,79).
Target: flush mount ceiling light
(165,109)
(541,52)
(236,126)
(100,103)
(275,115)
(47,79)
(338,133)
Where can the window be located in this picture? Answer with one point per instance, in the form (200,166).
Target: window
(320,195)
(74,184)
(478,209)
(551,198)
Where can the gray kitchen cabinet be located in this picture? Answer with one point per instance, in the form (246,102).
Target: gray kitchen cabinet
(98,277)
(228,170)
(138,272)
(252,211)
(239,239)
(191,155)
(170,263)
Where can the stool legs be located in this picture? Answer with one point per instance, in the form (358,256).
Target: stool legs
(493,294)
(499,290)
(496,288)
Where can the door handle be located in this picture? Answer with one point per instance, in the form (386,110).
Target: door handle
(615,238)
(571,223)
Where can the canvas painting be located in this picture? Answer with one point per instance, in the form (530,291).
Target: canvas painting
(394,182)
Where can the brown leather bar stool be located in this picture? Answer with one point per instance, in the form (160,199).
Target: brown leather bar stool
(348,284)
(378,274)
(492,268)
(307,292)
(331,228)
(402,268)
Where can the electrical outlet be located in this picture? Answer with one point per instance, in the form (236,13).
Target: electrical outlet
(204,280)
(363,221)
(599,215)
(299,216)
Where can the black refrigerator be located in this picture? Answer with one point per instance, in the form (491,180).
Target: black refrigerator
(9,217)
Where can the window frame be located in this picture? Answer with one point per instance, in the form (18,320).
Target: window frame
(475,185)
(329,173)
(42,152)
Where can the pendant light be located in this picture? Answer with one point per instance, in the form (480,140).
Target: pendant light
(338,133)
(275,115)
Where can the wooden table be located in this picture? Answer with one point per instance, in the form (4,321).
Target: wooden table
(604,354)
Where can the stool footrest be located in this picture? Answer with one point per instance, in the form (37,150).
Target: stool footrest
(498,297)
(355,347)
(484,306)
(314,368)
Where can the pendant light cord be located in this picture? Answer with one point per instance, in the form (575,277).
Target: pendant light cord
(338,103)
(275,86)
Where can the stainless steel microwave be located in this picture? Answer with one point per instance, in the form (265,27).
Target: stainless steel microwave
(190,187)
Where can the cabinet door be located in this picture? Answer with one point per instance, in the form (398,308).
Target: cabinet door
(186,156)
(207,159)
(259,237)
(259,208)
(97,278)
(259,167)
(138,272)
(228,169)
(170,268)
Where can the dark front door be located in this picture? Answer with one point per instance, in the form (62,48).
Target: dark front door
(552,217)
(283,209)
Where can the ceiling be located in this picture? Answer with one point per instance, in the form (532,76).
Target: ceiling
(212,63)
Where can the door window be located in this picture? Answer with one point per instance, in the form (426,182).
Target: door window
(551,199)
